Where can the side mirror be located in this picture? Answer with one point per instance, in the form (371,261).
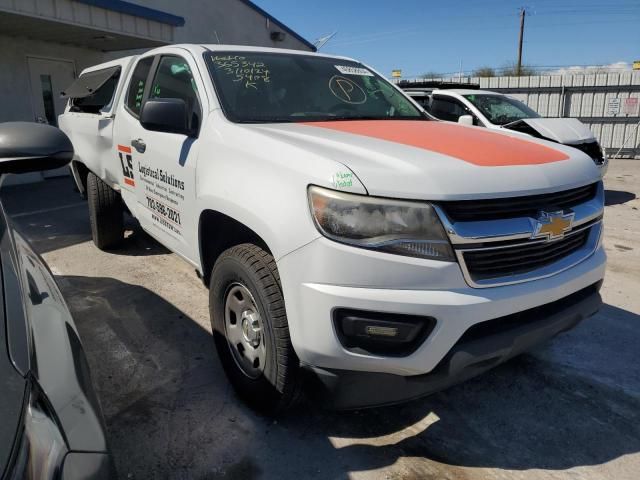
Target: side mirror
(32,147)
(166,115)
(466,120)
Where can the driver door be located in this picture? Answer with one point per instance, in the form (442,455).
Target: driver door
(163,164)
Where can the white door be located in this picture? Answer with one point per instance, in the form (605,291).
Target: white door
(48,78)
(158,168)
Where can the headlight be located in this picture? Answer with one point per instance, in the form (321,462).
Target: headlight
(393,226)
(42,445)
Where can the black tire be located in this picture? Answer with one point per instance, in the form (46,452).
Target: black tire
(277,387)
(105,212)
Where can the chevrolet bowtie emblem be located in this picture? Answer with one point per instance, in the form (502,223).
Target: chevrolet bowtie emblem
(553,225)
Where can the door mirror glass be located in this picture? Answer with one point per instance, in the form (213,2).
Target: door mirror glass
(32,147)
(465,120)
(166,115)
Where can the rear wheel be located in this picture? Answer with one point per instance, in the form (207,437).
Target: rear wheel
(105,212)
(250,328)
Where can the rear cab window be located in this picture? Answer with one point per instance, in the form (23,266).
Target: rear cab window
(94,91)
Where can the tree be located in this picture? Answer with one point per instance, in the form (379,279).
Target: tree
(484,72)
(511,70)
(430,75)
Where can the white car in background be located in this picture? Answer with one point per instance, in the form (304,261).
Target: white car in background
(500,112)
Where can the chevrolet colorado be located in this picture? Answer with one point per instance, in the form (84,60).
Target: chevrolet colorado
(350,244)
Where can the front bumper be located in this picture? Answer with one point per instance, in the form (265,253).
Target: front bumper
(324,275)
(479,350)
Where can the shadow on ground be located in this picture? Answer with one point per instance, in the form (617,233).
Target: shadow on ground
(616,197)
(54,216)
(171,414)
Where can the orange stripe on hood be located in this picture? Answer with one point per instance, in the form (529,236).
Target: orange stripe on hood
(473,145)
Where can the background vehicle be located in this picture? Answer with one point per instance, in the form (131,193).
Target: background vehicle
(497,111)
(52,426)
(347,241)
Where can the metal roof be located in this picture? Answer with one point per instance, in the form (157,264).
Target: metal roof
(137,11)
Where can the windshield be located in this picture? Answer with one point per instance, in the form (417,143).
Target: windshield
(258,87)
(501,110)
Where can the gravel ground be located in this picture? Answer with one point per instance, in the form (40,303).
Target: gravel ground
(569,410)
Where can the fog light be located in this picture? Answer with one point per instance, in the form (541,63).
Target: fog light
(381,333)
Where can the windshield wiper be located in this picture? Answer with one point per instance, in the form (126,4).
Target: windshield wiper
(267,120)
(346,118)
(328,118)
(350,117)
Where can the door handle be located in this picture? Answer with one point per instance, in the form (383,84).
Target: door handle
(139,145)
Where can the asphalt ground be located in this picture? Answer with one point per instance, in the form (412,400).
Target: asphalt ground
(568,410)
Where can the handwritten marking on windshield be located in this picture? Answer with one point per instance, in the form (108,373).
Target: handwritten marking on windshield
(346,90)
(251,74)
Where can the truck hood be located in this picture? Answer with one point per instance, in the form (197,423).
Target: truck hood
(436,160)
(569,131)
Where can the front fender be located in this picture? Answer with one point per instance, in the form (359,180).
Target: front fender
(262,183)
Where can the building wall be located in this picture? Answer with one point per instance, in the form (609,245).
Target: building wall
(15,94)
(74,13)
(222,21)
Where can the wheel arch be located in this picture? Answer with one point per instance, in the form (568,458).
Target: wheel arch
(79,171)
(216,233)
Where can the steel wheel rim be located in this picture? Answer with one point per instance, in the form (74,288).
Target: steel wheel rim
(244,330)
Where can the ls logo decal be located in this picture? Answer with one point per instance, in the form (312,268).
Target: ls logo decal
(126,160)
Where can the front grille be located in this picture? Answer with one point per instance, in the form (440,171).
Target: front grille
(513,207)
(522,258)
(592,149)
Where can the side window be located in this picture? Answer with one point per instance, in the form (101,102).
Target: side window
(136,87)
(422,101)
(447,109)
(99,99)
(173,79)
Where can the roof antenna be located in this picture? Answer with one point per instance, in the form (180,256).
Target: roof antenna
(215,32)
(320,42)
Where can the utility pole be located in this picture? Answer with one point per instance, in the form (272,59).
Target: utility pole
(520,39)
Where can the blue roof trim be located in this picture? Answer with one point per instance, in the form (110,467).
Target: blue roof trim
(252,5)
(137,11)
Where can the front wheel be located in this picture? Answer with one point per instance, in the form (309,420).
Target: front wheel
(250,328)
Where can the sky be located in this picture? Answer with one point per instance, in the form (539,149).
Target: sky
(422,36)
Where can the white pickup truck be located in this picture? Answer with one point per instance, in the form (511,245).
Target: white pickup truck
(351,245)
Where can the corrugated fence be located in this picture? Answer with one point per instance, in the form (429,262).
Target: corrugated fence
(609,103)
